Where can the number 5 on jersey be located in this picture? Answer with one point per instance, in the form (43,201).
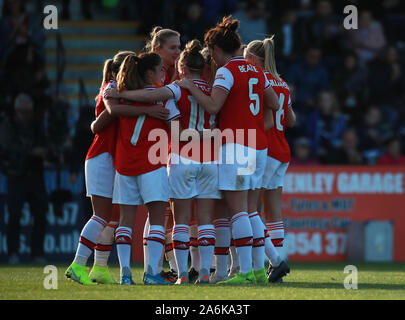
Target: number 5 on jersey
(254,106)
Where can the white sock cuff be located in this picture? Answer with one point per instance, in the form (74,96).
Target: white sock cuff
(222,223)
(206,231)
(181,228)
(181,232)
(253,214)
(123,231)
(99,220)
(279,225)
(238,216)
(157,231)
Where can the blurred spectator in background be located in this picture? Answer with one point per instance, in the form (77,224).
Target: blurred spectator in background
(372,132)
(20,30)
(386,80)
(156,13)
(349,83)
(56,124)
(392,17)
(302,153)
(22,53)
(193,26)
(348,153)
(253,21)
(325,28)
(304,8)
(309,77)
(214,9)
(288,39)
(325,125)
(76,156)
(23,151)
(368,40)
(392,154)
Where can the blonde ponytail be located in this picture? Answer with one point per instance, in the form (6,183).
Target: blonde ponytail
(270,57)
(264,50)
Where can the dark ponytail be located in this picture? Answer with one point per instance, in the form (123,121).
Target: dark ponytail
(192,58)
(224,36)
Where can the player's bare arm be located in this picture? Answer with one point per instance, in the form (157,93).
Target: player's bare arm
(116,109)
(213,103)
(268,119)
(291,119)
(142,95)
(101,122)
(270,99)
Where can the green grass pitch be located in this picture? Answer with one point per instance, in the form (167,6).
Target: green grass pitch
(313,281)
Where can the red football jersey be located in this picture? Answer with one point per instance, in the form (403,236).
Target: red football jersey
(105,140)
(193,116)
(243,108)
(277,143)
(132,148)
(166,77)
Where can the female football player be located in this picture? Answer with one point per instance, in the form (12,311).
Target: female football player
(261,53)
(138,179)
(99,176)
(166,43)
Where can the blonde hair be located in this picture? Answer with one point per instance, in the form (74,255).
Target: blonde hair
(112,66)
(158,37)
(264,50)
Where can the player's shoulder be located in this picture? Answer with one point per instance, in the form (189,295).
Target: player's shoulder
(235,65)
(203,85)
(274,82)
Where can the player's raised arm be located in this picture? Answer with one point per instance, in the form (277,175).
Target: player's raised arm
(116,109)
(213,103)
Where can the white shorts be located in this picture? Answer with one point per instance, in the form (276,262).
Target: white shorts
(191,179)
(241,168)
(274,175)
(142,189)
(99,175)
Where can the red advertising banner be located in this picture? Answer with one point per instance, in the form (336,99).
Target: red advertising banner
(320,202)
